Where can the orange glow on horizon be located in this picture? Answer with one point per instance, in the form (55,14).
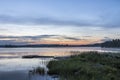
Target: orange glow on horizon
(80,42)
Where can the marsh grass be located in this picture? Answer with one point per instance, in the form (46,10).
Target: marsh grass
(38,70)
(87,66)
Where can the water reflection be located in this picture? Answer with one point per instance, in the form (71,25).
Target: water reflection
(18,52)
(18,69)
(14,75)
(13,67)
(22,64)
(41,77)
(22,75)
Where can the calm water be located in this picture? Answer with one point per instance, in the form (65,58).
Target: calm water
(13,67)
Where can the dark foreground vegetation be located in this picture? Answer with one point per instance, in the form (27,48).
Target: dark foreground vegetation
(87,66)
(114,43)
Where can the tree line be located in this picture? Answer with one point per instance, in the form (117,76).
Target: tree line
(113,43)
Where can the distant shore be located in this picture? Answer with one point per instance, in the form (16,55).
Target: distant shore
(47,45)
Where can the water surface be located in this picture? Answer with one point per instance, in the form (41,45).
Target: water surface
(13,67)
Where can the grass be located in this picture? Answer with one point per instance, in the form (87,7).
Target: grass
(38,70)
(87,66)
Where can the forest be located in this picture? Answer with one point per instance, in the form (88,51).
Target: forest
(115,43)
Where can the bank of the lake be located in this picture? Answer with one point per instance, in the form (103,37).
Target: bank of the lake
(87,66)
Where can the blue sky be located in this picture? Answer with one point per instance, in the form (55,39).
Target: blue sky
(70,21)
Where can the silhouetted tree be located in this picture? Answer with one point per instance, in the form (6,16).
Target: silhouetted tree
(112,43)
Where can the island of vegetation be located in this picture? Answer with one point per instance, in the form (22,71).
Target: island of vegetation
(87,66)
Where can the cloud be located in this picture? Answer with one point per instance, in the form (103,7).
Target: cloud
(110,20)
(105,39)
(3,29)
(71,38)
(14,42)
(87,36)
(41,21)
(39,36)
(31,39)
(103,21)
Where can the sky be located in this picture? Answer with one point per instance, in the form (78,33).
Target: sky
(59,21)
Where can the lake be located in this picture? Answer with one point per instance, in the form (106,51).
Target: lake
(13,67)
